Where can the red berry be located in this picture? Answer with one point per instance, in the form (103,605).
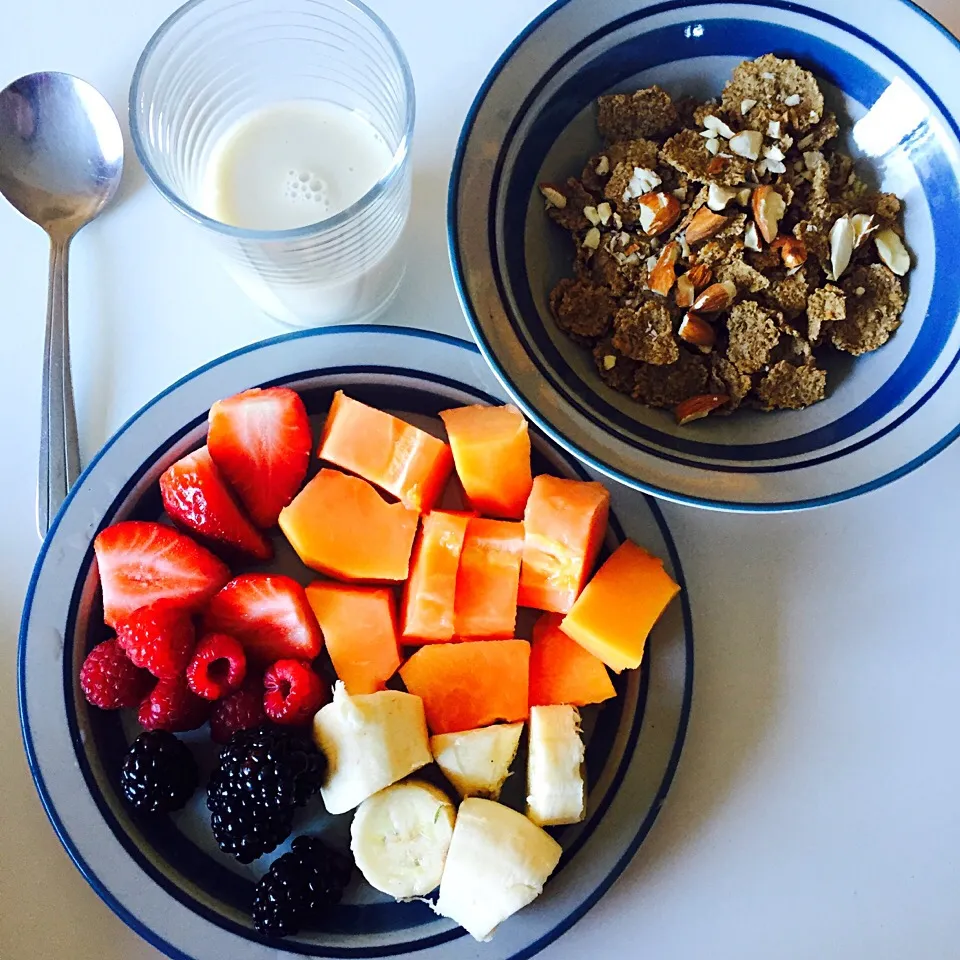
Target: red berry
(261,441)
(196,496)
(160,638)
(173,706)
(241,710)
(109,680)
(269,614)
(140,562)
(293,692)
(218,666)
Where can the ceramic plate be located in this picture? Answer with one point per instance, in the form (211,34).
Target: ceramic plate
(166,879)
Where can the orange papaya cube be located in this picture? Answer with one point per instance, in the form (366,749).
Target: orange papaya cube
(359,627)
(485,604)
(619,606)
(396,456)
(471,684)
(561,671)
(429,593)
(563,529)
(491,451)
(341,526)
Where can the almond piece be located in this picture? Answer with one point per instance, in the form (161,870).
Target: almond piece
(700,275)
(892,251)
(793,252)
(695,408)
(705,224)
(553,196)
(768,210)
(592,240)
(658,212)
(717,297)
(863,225)
(841,246)
(747,143)
(686,292)
(751,239)
(718,197)
(697,331)
(663,275)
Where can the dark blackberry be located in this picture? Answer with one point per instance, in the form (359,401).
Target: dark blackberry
(263,775)
(159,773)
(300,887)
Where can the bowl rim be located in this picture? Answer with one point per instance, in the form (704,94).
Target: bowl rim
(139,926)
(663,493)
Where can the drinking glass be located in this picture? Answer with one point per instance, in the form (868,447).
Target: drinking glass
(214,62)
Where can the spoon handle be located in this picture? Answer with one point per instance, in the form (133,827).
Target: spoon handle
(59,444)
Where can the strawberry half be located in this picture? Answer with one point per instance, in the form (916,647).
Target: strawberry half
(196,496)
(269,614)
(261,441)
(141,562)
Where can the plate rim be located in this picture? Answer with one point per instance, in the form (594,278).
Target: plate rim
(646,487)
(122,912)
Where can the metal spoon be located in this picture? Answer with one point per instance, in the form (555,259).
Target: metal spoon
(61,158)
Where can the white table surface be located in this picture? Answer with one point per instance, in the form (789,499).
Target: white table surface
(816,810)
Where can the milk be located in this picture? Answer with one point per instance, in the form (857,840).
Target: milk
(292,165)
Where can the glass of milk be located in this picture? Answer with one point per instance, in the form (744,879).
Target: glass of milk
(283,128)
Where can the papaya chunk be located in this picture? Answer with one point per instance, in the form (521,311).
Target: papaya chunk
(488,579)
(359,627)
(619,606)
(341,526)
(396,456)
(471,684)
(427,612)
(563,528)
(563,672)
(491,452)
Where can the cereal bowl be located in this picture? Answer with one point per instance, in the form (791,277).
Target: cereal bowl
(886,70)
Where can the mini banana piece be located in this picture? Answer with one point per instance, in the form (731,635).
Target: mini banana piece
(556,793)
(370,741)
(400,838)
(477,762)
(498,862)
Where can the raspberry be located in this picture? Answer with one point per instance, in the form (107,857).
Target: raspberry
(173,706)
(241,710)
(159,637)
(218,666)
(109,680)
(294,693)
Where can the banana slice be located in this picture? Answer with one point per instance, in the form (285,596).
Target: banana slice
(400,838)
(556,793)
(477,762)
(370,741)
(498,863)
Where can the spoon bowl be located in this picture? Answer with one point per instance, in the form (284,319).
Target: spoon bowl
(61,160)
(61,150)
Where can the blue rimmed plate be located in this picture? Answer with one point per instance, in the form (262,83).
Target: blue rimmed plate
(166,879)
(890,73)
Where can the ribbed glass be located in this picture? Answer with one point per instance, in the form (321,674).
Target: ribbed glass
(214,62)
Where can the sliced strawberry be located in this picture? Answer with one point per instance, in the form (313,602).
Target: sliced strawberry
(141,562)
(196,496)
(269,614)
(261,441)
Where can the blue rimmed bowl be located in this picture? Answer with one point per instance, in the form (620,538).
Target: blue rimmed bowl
(886,67)
(166,878)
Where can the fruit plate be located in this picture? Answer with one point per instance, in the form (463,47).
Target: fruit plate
(166,879)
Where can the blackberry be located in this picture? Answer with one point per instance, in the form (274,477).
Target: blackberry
(159,773)
(263,775)
(300,887)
